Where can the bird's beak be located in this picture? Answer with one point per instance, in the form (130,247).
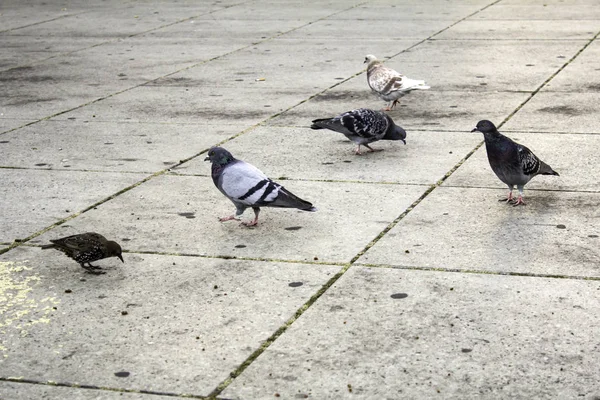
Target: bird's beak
(404,141)
(121,258)
(474,130)
(364,62)
(207,159)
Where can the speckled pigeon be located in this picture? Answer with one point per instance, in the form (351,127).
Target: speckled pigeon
(390,85)
(363,126)
(246,186)
(513,163)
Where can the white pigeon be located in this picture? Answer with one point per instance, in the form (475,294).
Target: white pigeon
(390,85)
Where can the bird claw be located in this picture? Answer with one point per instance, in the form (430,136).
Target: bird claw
(250,224)
(518,202)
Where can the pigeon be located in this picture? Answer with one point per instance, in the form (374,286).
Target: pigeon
(85,248)
(246,186)
(390,85)
(513,163)
(363,126)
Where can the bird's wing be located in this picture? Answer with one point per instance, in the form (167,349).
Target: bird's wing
(384,80)
(364,123)
(529,161)
(244,183)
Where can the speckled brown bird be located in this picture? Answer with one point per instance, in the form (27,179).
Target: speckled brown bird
(85,248)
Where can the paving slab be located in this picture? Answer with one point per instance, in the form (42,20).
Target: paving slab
(192,204)
(281,10)
(199,105)
(469,229)
(8,124)
(575,157)
(19,50)
(175,324)
(552,112)
(234,30)
(423,110)
(340,28)
(24,391)
(109,146)
(388,334)
(581,75)
(36,199)
(126,19)
(505,65)
(327,155)
(525,29)
(541,10)
(15,14)
(399,12)
(323,63)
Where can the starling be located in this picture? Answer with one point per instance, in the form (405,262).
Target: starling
(513,163)
(85,248)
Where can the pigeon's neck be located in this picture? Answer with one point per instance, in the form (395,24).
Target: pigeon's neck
(373,64)
(492,137)
(218,167)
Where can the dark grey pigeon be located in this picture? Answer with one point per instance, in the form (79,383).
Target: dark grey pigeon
(246,186)
(363,126)
(513,163)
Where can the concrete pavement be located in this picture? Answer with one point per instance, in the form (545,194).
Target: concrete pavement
(411,281)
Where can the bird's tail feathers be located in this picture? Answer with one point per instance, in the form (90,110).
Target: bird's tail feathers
(320,123)
(413,84)
(286,199)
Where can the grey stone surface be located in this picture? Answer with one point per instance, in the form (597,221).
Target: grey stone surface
(423,110)
(25,391)
(575,157)
(247,106)
(445,335)
(33,200)
(192,204)
(8,124)
(554,234)
(322,63)
(563,112)
(117,91)
(524,29)
(582,75)
(176,324)
(500,65)
(327,155)
(110,146)
(541,10)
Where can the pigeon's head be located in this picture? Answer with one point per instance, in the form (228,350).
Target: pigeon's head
(485,126)
(114,250)
(220,156)
(369,58)
(396,133)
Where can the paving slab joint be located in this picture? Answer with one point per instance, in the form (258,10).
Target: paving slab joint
(93,387)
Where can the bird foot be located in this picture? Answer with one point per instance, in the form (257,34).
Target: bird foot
(223,219)
(387,109)
(251,223)
(518,202)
